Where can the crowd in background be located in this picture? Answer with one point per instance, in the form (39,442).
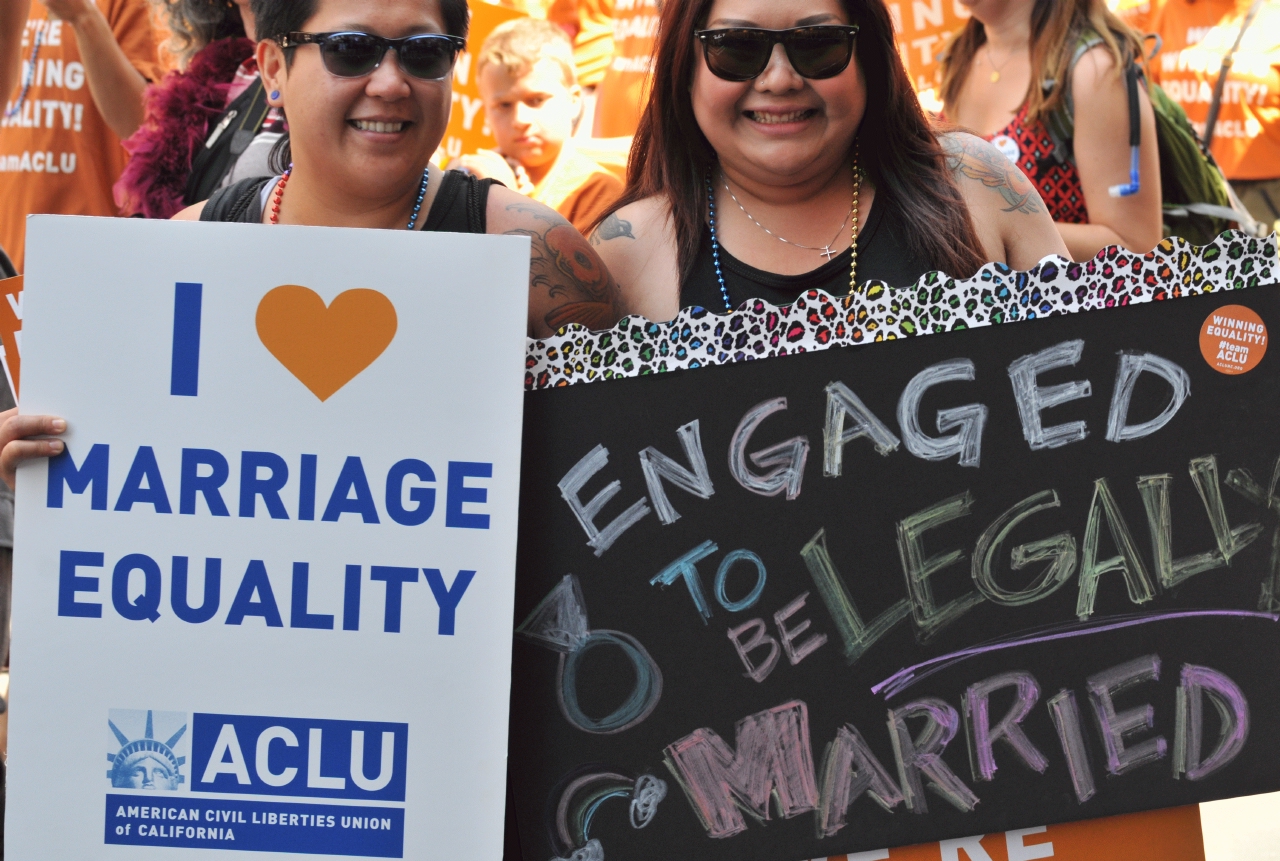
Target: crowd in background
(1097,125)
(142,107)
(1099,120)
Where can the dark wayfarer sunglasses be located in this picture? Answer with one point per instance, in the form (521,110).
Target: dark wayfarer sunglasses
(742,53)
(428,56)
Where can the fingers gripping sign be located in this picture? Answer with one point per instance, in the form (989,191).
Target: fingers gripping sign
(24,438)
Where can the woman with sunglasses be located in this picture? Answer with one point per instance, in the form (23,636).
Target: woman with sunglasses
(783,150)
(367,108)
(366,89)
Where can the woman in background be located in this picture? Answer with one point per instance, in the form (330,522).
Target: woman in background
(208,125)
(1014,65)
(783,136)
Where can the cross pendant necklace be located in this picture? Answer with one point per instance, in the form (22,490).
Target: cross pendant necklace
(822,251)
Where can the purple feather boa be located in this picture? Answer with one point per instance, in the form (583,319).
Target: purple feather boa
(179,110)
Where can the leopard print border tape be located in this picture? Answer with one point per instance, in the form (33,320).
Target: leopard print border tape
(697,338)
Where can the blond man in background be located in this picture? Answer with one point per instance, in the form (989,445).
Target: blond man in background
(532,103)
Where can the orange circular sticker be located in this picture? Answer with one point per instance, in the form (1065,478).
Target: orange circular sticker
(1233,339)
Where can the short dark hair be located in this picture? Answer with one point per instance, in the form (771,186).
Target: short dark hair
(275,18)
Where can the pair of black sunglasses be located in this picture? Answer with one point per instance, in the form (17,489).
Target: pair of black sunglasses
(742,53)
(428,56)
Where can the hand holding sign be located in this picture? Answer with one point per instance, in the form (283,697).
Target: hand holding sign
(201,526)
(16,444)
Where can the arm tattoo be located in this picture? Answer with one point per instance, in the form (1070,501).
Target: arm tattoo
(982,163)
(564,267)
(612,227)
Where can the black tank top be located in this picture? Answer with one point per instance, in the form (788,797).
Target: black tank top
(459,206)
(882,256)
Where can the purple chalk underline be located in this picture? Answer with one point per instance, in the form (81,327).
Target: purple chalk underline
(904,678)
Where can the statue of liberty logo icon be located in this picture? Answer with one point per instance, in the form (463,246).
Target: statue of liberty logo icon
(146,762)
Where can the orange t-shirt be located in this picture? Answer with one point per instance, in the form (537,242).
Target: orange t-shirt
(578,188)
(1135,13)
(57,155)
(1246,140)
(592,20)
(624,91)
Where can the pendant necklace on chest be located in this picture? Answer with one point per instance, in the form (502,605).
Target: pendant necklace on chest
(826,251)
(823,251)
(996,70)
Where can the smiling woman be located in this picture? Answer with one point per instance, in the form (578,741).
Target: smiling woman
(783,150)
(367,91)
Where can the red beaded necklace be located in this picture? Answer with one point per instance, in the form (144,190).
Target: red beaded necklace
(275,198)
(413,219)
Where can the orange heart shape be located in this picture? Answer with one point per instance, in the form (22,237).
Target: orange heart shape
(325,348)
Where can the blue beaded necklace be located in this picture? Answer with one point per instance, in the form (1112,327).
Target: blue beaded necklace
(30,77)
(422,193)
(413,219)
(715,239)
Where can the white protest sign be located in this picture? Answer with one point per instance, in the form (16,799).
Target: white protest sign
(264,604)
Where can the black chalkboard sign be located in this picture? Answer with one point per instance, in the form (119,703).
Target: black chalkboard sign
(901,592)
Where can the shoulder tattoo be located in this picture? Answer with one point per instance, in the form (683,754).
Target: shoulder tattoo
(565,269)
(976,160)
(612,227)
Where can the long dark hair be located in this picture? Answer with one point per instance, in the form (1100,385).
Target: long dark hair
(900,154)
(1056,29)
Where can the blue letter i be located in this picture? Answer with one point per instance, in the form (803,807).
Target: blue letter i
(185,375)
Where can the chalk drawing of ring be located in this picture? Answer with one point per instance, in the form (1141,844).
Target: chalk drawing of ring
(559,623)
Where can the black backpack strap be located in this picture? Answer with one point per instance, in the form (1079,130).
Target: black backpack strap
(226,141)
(1061,122)
(1131,75)
(239,202)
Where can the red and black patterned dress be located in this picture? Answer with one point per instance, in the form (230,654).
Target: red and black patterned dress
(1029,146)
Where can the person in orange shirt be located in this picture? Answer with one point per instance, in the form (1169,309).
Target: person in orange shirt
(589,24)
(85,64)
(13,17)
(532,101)
(1246,137)
(624,89)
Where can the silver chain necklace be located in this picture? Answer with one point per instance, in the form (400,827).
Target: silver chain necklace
(825,250)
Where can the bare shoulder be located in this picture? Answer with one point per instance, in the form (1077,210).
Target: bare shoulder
(568,283)
(638,245)
(1096,69)
(1012,221)
(626,238)
(646,216)
(978,166)
(191,213)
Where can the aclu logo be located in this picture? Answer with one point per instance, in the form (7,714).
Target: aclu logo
(147,750)
(300,757)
